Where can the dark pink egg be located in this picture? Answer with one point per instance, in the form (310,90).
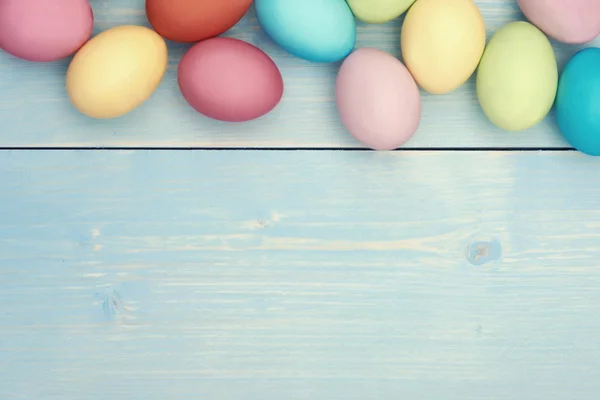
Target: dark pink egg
(229,80)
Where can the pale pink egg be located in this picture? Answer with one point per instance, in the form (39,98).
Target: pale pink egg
(377,99)
(44,30)
(229,80)
(568,21)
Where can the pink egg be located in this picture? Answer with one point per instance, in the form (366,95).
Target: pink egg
(377,99)
(568,21)
(44,30)
(229,80)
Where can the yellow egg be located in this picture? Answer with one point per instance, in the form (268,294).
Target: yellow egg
(116,71)
(442,43)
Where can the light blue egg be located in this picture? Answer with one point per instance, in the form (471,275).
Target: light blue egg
(578,101)
(314,30)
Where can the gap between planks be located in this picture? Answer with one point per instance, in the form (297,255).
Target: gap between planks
(412,149)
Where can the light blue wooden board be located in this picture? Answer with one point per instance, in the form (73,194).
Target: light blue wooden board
(35,111)
(299,275)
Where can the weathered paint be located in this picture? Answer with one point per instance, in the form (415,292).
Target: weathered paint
(306,275)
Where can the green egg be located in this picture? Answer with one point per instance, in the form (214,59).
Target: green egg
(379,11)
(517,78)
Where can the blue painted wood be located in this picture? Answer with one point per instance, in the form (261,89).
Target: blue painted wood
(303,275)
(34,109)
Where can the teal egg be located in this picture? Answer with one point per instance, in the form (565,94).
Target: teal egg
(578,101)
(314,30)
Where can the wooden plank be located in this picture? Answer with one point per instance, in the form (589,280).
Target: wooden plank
(305,275)
(35,111)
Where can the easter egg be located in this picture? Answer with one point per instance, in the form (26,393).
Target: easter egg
(379,11)
(568,21)
(578,100)
(44,30)
(517,77)
(442,43)
(116,71)
(194,20)
(314,30)
(229,80)
(377,99)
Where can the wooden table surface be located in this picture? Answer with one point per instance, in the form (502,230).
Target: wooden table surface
(166,256)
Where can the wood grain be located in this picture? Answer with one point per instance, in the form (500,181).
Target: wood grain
(35,111)
(302,275)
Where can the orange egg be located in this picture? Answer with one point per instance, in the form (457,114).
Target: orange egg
(189,21)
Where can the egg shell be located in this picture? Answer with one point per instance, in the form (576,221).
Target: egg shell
(190,21)
(314,30)
(377,99)
(517,77)
(44,30)
(568,21)
(229,80)
(116,71)
(442,43)
(379,11)
(578,101)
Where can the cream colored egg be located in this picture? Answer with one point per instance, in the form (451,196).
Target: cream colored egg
(116,71)
(442,43)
